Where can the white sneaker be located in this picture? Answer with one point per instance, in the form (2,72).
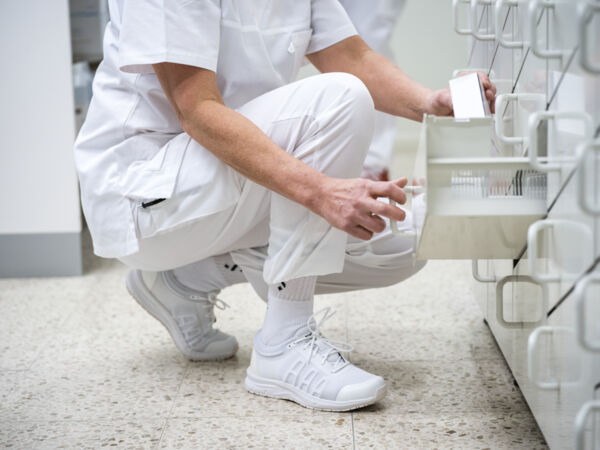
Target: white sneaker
(186,314)
(310,370)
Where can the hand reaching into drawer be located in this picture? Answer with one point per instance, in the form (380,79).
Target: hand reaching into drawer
(440,102)
(352,206)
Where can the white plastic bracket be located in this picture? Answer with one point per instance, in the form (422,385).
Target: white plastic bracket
(475,21)
(583,196)
(500,302)
(580,300)
(501,101)
(536,118)
(532,241)
(394,224)
(532,345)
(477,276)
(500,36)
(455,6)
(591,407)
(534,10)
(585,17)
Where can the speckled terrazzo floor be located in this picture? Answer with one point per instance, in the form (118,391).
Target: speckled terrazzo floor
(82,366)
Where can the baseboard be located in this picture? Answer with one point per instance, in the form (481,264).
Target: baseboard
(40,255)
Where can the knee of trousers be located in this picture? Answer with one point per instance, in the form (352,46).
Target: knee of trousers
(351,117)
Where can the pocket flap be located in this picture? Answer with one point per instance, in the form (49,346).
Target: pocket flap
(156,177)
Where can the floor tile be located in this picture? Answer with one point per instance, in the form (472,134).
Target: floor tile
(32,309)
(432,316)
(217,390)
(388,342)
(333,431)
(81,434)
(100,379)
(425,386)
(471,430)
(9,381)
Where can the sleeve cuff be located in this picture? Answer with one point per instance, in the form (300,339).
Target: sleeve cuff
(133,63)
(325,40)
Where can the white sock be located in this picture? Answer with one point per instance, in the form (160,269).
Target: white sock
(210,274)
(289,307)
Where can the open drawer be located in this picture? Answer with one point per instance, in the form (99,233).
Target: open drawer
(477,206)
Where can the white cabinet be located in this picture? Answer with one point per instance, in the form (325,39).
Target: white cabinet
(544,307)
(40,223)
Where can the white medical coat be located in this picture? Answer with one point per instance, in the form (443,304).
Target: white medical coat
(122,152)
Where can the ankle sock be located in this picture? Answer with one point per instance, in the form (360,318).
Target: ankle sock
(210,274)
(289,306)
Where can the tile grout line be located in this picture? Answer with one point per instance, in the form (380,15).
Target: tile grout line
(183,378)
(346,313)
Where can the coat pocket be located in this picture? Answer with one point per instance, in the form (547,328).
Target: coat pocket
(202,185)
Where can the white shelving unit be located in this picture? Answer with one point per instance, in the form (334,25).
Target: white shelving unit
(543,307)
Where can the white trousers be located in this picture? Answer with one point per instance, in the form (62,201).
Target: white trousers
(327,122)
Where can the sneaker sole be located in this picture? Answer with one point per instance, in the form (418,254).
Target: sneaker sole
(142,295)
(278,389)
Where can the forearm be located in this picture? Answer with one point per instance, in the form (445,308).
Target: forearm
(236,141)
(392,90)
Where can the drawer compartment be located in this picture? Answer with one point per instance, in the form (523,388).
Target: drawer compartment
(477,206)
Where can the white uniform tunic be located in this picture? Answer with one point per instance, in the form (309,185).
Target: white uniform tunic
(123,152)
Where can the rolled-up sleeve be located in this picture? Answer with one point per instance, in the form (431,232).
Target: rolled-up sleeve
(330,24)
(175,31)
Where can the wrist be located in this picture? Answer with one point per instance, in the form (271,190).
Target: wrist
(429,106)
(312,197)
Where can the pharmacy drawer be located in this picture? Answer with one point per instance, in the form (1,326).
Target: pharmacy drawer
(486,203)
(531,70)
(504,336)
(522,302)
(515,306)
(588,186)
(560,41)
(560,366)
(557,134)
(561,247)
(586,397)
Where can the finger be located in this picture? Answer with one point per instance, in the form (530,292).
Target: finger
(389,189)
(360,233)
(372,223)
(386,210)
(491,99)
(485,81)
(401,182)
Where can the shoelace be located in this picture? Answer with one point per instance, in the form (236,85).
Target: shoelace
(315,341)
(192,328)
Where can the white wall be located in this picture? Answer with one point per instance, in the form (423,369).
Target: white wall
(38,182)
(427,49)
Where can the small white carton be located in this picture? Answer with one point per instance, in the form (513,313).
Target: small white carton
(468,97)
